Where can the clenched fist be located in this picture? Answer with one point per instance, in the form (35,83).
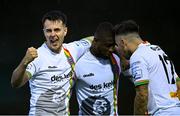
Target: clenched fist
(31,54)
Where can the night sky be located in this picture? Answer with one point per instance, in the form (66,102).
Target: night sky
(21,28)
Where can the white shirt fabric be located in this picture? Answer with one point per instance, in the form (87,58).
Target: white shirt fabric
(51,76)
(94,87)
(149,64)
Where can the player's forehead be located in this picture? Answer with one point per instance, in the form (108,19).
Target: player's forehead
(106,41)
(53,24)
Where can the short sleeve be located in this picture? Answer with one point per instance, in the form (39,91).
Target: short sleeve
(84,42)
(139,70)
(78,48)
(31,69)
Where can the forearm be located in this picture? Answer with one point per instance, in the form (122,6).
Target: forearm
(18,75)
(141,100)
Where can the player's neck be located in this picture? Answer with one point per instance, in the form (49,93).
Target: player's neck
(93,51)
(56,51)
(135,45)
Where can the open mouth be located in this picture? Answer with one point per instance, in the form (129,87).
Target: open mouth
(54,42)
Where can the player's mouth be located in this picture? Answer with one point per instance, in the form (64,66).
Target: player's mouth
(54,42)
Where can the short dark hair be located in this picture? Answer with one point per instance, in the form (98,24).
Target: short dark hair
(126,27)
(55,15)
(104,31)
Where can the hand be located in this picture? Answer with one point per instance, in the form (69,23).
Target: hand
(31,54)
(178,94)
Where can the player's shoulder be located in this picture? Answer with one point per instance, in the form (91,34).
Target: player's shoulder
(78,43)
(142,51)
(42,51)
(85,57)
(80,63)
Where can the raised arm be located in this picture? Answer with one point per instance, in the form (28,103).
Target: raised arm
(19,75)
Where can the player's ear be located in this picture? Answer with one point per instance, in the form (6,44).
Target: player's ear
(122,41)
(65,30)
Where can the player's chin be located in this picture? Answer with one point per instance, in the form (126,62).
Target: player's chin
(55,48)
(106,56)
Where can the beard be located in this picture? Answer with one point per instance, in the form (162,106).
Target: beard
(99,53)
(102,55)
(127,55)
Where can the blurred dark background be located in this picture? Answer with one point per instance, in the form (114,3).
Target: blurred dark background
(21,27)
